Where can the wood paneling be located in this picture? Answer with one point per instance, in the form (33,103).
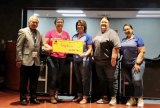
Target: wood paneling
(12,72)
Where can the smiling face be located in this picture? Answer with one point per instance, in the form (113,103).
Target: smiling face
(33,22)
(80,28)
(104,23)
(128,30)
(59,23)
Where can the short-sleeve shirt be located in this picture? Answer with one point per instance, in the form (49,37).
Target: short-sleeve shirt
(87,39)
(103,44)
(53,34)
(129,49)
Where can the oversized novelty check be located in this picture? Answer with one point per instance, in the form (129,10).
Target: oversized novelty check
(67,46)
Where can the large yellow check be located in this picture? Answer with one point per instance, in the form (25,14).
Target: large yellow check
(67,46)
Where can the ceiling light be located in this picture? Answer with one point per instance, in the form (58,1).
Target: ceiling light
(149,12)
(149,16)
(69,11)
(74,15)
(36,14)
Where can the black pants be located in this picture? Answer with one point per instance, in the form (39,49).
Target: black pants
(55,70)
(105,73)
(29,74)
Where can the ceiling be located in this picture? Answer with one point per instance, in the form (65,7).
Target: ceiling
(99,14)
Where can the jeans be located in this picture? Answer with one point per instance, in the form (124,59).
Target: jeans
(55,70)
(82,74)
(135,80)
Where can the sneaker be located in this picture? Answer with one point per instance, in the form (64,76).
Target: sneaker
(83,101)
(140,103)
(131,102)
(113,101)
(24,102)
(103,100)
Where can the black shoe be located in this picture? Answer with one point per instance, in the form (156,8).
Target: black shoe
(34,101)
(77,99)
(24,102)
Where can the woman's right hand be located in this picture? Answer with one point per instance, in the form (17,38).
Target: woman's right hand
(136,68)
(47,49)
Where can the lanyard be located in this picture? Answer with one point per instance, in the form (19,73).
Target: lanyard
(34,37)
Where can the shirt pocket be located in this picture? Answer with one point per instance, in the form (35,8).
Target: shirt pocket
(26,52)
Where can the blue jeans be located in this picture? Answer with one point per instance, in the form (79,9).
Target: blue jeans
(82,74)
(135,80)
(55,70)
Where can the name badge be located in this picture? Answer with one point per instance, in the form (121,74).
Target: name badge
(34,54)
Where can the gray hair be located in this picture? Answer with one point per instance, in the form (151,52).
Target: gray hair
(33,17)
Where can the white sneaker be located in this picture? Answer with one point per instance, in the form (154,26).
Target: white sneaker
(140,103)
(131,102)
(113,101)
(103,100)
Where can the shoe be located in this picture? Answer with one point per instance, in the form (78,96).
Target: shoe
(77,99)
(131,102)
(53,100)
(103,100)
(140,103)
(83,101)
(56,95)
(24,102)
(34,101)
(113,101)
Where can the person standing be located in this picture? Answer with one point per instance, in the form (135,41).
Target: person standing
(81,63)
(55,60)
(133,64)
(28,59)
(106,46)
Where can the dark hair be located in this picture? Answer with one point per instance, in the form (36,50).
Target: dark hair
(128,25)
(58,18)
(106,18)
(83,23)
